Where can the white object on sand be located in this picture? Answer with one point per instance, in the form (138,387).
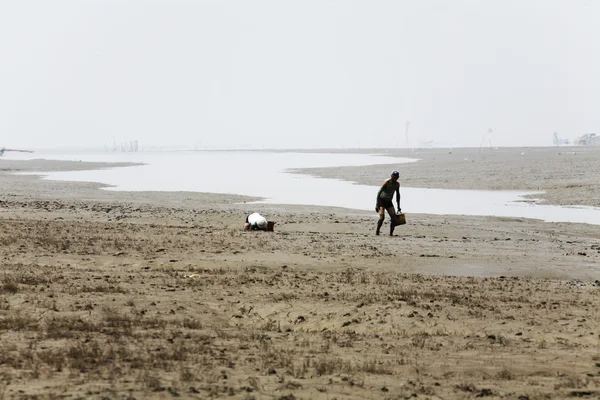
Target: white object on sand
(255,219)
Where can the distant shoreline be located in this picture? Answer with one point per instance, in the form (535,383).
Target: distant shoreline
(556,173)
(371,150)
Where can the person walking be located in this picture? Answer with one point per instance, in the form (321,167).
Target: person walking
(384,201)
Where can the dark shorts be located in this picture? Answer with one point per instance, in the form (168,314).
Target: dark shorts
(385,203)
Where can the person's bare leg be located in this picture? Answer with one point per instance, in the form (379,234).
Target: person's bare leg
(381,219)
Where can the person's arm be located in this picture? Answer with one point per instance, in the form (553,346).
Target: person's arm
(378,194)
(398,197)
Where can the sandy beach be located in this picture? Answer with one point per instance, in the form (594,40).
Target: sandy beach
(145,295)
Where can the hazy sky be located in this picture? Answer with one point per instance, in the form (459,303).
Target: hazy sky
(297,73)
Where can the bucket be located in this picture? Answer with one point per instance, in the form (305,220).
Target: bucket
(270,226)
(400,219)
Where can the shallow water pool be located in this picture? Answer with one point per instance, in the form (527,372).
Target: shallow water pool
(264,174)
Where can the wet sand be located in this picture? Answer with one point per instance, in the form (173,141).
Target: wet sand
(157,295)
